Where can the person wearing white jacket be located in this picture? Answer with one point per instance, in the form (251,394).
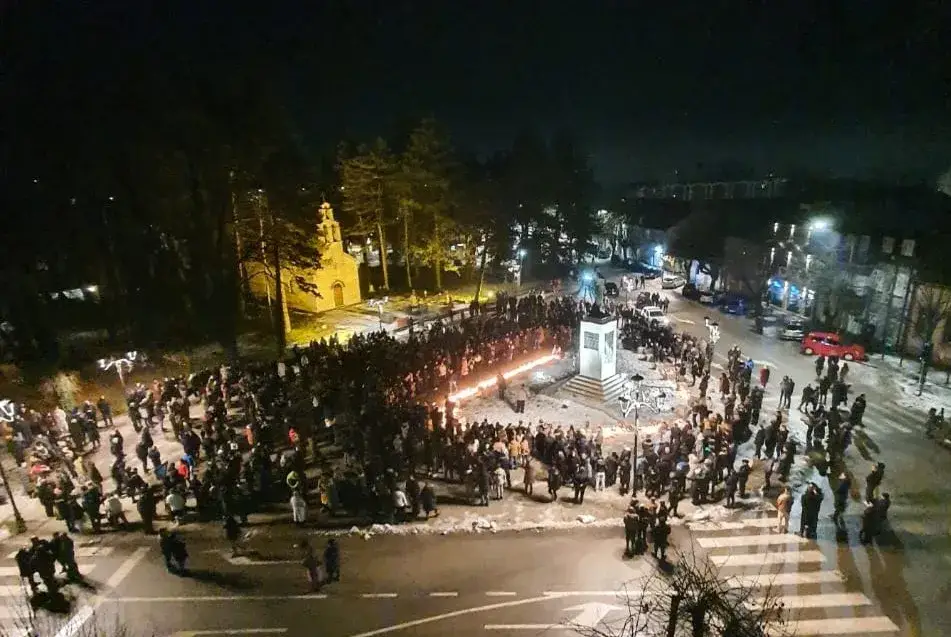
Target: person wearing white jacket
(298,507)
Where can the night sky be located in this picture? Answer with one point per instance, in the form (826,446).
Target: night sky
(649,88)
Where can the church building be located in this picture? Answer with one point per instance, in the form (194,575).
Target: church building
(337,280)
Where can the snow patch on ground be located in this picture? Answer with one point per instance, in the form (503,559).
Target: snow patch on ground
(476,522)
(902,381)
(538,408)
(932,395)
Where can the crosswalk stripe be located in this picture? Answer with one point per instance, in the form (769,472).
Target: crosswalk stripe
(81,551)
(20,613)
(822,600)
(841,626)
(763,580)
(97,551)
(733,525)
(14,571)
(768,559)
(750,540)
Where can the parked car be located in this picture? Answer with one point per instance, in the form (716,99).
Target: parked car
(645,270)
(672,281)
(692,292)
(829,344)
(653,313)
(733,305)
(611,290)
(793,330)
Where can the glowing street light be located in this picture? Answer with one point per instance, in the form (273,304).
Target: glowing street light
(378,304)
(121,364)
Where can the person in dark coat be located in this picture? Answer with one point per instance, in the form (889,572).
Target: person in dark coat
(65,552)
(24,559)
(146,508)
(427,498)
(174,551)
(332,560)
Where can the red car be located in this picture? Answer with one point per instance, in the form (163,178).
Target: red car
(829,344)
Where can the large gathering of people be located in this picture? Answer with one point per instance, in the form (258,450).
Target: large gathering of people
(386,401)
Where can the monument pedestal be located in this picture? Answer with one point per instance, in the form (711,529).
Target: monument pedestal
(598,378)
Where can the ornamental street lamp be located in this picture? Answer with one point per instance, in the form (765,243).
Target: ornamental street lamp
(632,400)
(378,304)
(120,364)
(8,415)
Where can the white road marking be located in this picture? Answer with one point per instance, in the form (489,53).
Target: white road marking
(766,523)
(14,571)
(766,559)
(456,613)
(842,626)
(75,625)
(94,551)
(683,320)
(211,598)
(905,430)
(231,631)
(379,595)
(501,594)
(126,567)
(823,600)
(20,613)
(444,594)
(591,593)
(749,540)
(787,579)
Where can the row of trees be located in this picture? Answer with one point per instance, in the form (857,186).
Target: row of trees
(155,192)
(447,210)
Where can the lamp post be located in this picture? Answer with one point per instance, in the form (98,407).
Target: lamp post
(378,304)
(713,329)
(632,400)
(521,263)
(119,363)
(8,415)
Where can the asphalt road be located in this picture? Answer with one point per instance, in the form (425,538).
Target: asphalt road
(910,577)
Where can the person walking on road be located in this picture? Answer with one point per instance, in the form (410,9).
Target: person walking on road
(873,481)
(783,506)
(311,565)
(232,534)
(841,497)
(332,560)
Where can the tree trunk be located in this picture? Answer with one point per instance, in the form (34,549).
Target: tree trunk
(244,284)
(279,323)
(482,266)
(409,267)
(381,237)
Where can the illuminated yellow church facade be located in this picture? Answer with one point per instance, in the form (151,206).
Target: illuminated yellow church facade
(337,280)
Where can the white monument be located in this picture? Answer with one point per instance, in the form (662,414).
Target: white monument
(597,355)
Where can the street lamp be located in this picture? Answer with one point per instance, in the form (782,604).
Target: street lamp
(8,415)
(378,304)
(631,399)
(521,263)
(121,364)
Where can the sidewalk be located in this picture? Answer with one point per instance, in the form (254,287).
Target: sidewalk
(31,509)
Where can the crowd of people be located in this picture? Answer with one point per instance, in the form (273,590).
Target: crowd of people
(387,402)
